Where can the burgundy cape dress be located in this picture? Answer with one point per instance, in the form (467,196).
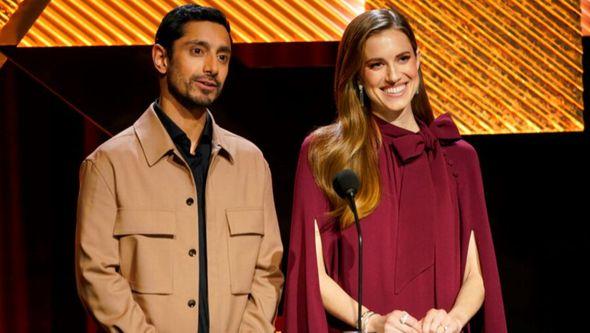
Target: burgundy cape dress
(415,242)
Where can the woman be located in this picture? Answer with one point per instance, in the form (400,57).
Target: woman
(429,263)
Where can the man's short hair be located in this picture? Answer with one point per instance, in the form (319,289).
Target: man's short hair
(171,27)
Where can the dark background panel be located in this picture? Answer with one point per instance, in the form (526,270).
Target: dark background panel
(536,184)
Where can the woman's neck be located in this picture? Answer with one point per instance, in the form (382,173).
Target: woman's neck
(404,119)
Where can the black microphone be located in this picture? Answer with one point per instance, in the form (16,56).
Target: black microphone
(346,184)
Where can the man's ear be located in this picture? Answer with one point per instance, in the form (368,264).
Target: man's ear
(160,58)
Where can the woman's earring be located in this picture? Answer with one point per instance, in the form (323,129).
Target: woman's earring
(361,95)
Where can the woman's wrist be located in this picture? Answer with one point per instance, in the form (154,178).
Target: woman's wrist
(459,316)
(375,323)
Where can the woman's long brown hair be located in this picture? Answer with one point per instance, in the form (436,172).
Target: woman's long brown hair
(353,140)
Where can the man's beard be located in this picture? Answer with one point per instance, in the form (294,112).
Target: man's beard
(186,100)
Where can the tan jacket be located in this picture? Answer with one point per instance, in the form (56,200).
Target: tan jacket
(135,264)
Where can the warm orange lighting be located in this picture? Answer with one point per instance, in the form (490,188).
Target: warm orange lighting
(7,8)
(585,4)
(502,67)
(134,22)
(508,66)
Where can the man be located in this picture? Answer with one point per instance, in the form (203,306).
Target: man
(177,230)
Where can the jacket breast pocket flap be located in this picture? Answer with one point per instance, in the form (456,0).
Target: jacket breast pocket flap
(246,229)
(145,249)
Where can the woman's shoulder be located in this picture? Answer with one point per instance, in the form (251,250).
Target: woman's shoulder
(307,141)
(319,134)
(461,154)
(461,148)
(306,187)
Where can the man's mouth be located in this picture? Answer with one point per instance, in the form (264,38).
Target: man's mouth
(208,83)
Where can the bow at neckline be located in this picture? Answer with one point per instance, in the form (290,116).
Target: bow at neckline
(409,145)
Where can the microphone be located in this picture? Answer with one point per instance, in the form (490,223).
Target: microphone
(346,184)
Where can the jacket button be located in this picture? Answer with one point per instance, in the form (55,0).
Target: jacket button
(190,201)
(192,252)
(192,303)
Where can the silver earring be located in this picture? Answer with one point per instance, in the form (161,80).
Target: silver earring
(361,95)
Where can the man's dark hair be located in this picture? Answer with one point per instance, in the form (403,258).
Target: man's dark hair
(171,27)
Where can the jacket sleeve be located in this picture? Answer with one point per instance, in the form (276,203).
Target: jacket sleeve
(104,292)
(268,278)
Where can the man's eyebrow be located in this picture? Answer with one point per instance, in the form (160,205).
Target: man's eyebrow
(197,42)
(225,49)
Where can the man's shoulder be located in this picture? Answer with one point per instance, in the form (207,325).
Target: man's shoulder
(240,145)
(119,145)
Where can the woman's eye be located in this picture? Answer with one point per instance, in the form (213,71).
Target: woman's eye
(223,58)
(375,65)
(405,58)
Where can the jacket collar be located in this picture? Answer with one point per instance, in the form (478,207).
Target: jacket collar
(156,143)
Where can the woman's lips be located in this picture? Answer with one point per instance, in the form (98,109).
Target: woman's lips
(395,91)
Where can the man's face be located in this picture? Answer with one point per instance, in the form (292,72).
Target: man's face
(199,64)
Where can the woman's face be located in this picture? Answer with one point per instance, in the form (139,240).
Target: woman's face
(389,72)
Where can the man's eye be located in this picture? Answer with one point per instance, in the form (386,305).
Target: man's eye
(197,51)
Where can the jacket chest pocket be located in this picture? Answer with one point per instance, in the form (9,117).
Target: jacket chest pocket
(246,229)
(145,249)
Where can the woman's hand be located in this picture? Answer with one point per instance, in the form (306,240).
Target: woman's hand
(394,322)
(439,321)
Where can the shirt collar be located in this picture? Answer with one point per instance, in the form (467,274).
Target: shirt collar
(176,133)
(156,142)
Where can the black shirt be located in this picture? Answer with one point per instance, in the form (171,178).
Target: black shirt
(199,165)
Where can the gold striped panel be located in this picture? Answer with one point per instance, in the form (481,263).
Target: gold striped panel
(511,66)
(585,4)
(7,8)
(134,22)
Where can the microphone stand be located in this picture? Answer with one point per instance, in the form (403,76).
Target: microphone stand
(350,198)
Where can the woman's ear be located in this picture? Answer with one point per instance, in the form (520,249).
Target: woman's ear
(418,58)
(359,80)
(160,58)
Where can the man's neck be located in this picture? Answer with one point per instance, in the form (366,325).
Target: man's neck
(191,122)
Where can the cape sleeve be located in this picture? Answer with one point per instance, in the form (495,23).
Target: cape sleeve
(474,217)
(303,307)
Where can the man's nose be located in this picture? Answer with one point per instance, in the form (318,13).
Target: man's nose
(210,65)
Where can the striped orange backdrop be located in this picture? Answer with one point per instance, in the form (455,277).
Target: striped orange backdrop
(510,66)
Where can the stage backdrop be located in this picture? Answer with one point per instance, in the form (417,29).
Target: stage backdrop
(508,66)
